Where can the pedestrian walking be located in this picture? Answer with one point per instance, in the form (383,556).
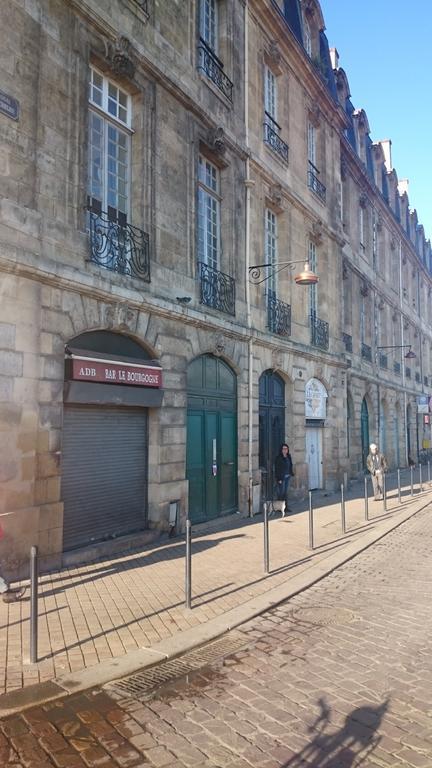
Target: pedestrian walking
(283,472)
(377,465)
(8,594)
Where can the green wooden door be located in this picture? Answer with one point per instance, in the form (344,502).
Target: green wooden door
(211,464)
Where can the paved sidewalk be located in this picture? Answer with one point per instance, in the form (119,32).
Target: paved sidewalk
(110,608)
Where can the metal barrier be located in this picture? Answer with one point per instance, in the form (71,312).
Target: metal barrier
(188,565)
(366,499)
(343,519)
(34,577)
(266,540)
(311,522)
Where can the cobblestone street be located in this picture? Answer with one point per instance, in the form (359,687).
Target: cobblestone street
(339,676)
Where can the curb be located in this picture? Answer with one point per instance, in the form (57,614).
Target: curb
(130,663)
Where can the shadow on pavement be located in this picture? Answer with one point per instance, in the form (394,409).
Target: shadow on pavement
(351,744)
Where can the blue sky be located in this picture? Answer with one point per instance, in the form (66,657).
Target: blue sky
(385,49)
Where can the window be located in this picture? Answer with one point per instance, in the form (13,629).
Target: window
(208,213)
(271,253)
(307,38)
(375,244)
(109,144)
(209,23)
(361,227)
(313,289)
(270,95)
(312,145)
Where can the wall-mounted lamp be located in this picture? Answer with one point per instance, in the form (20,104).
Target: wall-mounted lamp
(410,355)
(306,277)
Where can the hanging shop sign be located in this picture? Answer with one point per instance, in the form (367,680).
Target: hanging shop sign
(115,372)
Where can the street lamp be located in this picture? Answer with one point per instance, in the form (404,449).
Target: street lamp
(306,277)
(410,355)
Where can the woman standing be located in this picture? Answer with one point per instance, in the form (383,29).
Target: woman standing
(283,472)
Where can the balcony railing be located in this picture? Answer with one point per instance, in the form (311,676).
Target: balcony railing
(319,332)
(212,67)
(407,372)
(397,367)
(217,289)
(383,361)
(347,340)
(366,353)
(315,184)
(417,377)
(117,245)
(272,138)
(279,315)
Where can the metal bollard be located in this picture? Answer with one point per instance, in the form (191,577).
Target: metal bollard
(311,522)
(421,477)
(384,493)
(343,520)
(188,572)
(366,499)
(399,487)
(34,577)
(429,476)
(266,540)
(412,480)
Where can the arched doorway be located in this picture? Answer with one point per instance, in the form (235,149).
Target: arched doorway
(109,385)
(364,420)
(211,452)
(271,426)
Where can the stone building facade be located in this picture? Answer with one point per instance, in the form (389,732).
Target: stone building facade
(153,156)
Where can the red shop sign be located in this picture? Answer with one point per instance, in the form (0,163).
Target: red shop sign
(110,372)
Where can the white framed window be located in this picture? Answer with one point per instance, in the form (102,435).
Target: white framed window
(109,144)
(311,144)
(208,213)
(307,38)
(209,23)
(313,289)
(271,248)
(362,227)
(270,94)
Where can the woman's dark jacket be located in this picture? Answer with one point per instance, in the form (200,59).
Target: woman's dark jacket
(283,466)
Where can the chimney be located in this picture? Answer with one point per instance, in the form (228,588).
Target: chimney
(334,58)
(386,145)
(403,186)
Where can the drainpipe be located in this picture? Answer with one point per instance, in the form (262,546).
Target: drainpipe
(248,184)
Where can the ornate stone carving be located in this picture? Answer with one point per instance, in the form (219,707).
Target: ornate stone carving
(394,316)
(315,115)
(364,288)
(317,231)
(363,200)
(275,195)
(343,168)
(379,223)
(277,361)
(393,244)
(217,140)
(120,57)
(345,270)
(220,346)
(380,303)
(406,325)
(273,56)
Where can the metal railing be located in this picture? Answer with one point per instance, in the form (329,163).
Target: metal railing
(383,361)
(117,245)
(278,315)
(319,332)
(315,184)
(272,138)
(217,289)
(212,67)
(397,367)
(366,352)
(347,340)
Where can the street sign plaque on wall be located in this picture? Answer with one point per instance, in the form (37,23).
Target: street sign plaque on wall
(9,106)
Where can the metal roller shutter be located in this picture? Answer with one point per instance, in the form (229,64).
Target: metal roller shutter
(104,485)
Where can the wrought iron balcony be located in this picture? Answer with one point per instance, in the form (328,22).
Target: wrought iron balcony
(347,340)
(366,353)
(272,138)
(315,184)
(397,367)
(212,67)
(407,372)
(417,377)
(383,361)
(279,315)
(319,332)
(117,245)
(217,289)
